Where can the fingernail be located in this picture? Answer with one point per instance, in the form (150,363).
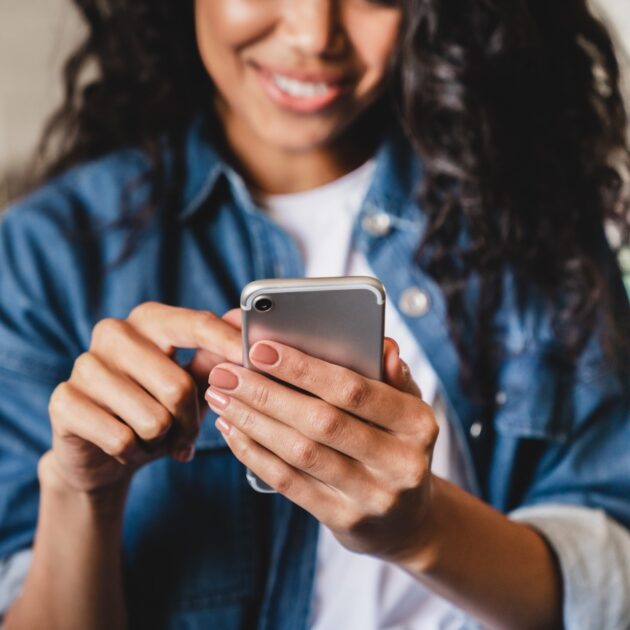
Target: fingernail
(393,343)
(185,455)
(262,353)
(224,379)
(216,400)
(223,426)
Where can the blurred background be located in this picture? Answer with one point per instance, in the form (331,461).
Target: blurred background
(35,38)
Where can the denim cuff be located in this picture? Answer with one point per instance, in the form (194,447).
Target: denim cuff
(593,552)
(13,572)
(592,549)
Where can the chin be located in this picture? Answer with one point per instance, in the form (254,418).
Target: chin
(299,142)
(301,136)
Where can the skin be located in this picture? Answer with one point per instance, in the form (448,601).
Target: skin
(280,151)
(357,455)
(128,403)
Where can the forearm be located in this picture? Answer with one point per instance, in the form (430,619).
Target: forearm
(75,579)
(503,573)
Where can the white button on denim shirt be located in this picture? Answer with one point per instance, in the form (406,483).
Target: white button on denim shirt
(414,302)
(377,223)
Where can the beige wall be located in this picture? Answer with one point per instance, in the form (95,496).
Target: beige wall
(35,36)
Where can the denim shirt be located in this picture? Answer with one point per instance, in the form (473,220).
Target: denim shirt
(201,549)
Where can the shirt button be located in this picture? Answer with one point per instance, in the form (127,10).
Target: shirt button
(377,223)
(414,302)
(475,429)
(500,398)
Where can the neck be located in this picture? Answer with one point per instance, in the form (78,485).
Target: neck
(272,170)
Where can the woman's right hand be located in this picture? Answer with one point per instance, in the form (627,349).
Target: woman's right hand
(127,401)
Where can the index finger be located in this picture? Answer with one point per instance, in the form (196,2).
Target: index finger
(171,327)
(366,398)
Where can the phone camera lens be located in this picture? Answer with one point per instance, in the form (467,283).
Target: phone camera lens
(263,304)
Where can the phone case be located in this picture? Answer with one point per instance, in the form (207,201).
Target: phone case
(340,320)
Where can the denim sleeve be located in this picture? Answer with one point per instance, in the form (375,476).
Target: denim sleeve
(36,347)
(593,552)
(13,572)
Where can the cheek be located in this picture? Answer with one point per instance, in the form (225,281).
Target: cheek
(224,27)
(374,43)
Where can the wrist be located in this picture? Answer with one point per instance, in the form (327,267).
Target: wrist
(109,499)
(425,552)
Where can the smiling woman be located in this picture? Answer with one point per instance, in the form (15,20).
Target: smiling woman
(299,90)
(462,153)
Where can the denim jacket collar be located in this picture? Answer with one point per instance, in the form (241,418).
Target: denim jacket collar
(205,167)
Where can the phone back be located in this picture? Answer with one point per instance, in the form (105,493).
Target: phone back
(340,320)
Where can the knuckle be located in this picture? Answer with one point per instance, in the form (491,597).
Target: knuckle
(428,428)
(247,419)
(299,368)
(305,454)
(432,431)
(415,473)
(163,420)
(179,390)
(350,520)
(59,399)
(158,424)
(260,395)
(121,443)
(383,504)
(327,423)
(242,449)
(425,426)
(142,311)
(353,393)
(84,366)
(202,321)
(283,481)
(107,329)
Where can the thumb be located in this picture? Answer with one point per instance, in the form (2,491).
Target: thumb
(397,373)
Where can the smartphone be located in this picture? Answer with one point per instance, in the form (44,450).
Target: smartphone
(339,319)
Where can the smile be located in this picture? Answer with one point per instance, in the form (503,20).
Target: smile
(299,89)
(301,93)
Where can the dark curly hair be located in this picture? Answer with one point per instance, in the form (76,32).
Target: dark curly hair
(514,108)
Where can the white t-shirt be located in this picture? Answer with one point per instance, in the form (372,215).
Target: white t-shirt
(353,591)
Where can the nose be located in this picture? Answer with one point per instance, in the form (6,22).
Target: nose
(313,27)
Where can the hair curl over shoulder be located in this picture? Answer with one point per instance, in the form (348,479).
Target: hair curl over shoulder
(517,112)
(150,81)
(514,107)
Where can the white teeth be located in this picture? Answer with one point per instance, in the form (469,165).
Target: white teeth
(299,89)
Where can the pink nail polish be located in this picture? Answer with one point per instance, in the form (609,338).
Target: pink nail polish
(223,378)
(263,353)
(215,399)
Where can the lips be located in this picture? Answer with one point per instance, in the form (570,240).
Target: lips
(302,92)
(300,89)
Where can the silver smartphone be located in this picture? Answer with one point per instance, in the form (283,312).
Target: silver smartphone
(340,320)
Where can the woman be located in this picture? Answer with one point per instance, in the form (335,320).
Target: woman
(238,139)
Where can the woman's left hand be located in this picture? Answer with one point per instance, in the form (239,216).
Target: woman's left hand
(356,455)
